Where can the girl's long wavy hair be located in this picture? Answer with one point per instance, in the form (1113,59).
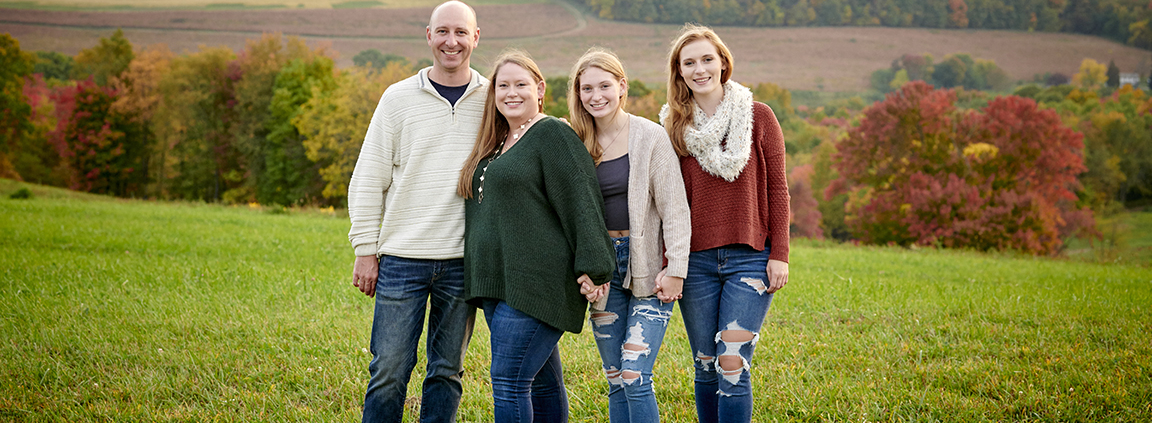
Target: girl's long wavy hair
(493,124)
(680,106)
(583,122)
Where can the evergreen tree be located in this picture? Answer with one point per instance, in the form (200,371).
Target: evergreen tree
(1113,74)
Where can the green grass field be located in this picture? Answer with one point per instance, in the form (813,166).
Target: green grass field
(120,310)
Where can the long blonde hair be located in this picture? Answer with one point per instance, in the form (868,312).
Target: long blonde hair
(583,122)
(493,124)
(679,95)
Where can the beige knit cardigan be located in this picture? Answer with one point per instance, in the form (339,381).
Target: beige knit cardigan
(658,215)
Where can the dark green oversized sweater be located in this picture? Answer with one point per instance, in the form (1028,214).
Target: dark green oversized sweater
(540,226)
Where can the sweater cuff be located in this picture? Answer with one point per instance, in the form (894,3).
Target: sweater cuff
(779,252)
(677,269)
(367,250)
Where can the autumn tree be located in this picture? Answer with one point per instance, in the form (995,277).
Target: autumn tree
(831,207)
(289,176)
(38,160)
(254,73)
(199,160)
(103,148)
(139,96)
(920,171)
(1141,31)
(106,60)
(53,65)
(15,65)
(805,217)
(1092,75)
(957,14)
(776,97)
(645,100)
(1118,146)
(332,123)
(950,72)
(373,58)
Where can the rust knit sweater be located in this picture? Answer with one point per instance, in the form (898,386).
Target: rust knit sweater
(752,210)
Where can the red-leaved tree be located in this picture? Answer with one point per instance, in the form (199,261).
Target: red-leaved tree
(805,219)
(919,171)
(104,149)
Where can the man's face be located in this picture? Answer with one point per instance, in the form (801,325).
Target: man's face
(452,34)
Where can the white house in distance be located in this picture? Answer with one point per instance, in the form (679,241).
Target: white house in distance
(1132,79)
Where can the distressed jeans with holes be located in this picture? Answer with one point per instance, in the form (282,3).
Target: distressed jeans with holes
(404,289)
(636,322)
(725,290)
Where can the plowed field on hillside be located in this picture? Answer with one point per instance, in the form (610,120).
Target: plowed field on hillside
(834,59)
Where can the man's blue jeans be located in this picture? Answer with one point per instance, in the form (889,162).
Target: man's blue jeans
(726,289)
(404,289)
(629,331)
(527,377)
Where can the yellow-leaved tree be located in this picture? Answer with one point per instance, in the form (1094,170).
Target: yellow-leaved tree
(1092,75)
(333,122)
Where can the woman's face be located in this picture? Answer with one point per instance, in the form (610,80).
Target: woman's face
(517,93)
(600,92)
(700,67)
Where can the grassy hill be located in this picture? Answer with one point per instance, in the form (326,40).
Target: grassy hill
(555,32)
(129,310)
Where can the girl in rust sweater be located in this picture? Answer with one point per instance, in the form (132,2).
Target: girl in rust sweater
(732,157)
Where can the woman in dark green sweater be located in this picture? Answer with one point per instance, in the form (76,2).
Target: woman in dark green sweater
(534,235)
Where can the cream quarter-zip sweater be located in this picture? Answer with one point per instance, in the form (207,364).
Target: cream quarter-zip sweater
(402,197)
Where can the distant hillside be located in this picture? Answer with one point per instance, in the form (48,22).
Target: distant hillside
(807,58)
(1126,21)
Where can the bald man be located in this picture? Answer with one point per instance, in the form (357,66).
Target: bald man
(408,222)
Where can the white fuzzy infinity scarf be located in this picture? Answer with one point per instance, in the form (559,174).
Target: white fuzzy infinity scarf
(705,138)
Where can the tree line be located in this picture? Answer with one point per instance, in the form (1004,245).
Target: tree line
(923,162)
(1126,21)
(966,168)
(275,123)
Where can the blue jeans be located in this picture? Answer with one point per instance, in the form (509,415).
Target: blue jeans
(628,332)
(725,291)
(403,289)
(527,377)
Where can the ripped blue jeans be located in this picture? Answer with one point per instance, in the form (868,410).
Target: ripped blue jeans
(725,297)
(629,331)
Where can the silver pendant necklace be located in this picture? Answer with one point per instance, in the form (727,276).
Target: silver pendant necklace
(499,151)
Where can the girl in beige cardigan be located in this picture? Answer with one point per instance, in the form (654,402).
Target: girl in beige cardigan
(646,213)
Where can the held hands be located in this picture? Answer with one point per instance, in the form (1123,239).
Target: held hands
(589,290)
(364,274)
(777,275)
(669,288)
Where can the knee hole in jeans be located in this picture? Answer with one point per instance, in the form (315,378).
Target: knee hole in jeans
(634,346)
(731,364)
(706,361)
(602,318)
(613,375)
(629,377)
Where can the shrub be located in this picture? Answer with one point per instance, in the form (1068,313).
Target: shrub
(21,194)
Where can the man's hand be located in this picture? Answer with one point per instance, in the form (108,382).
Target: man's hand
(364,274)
